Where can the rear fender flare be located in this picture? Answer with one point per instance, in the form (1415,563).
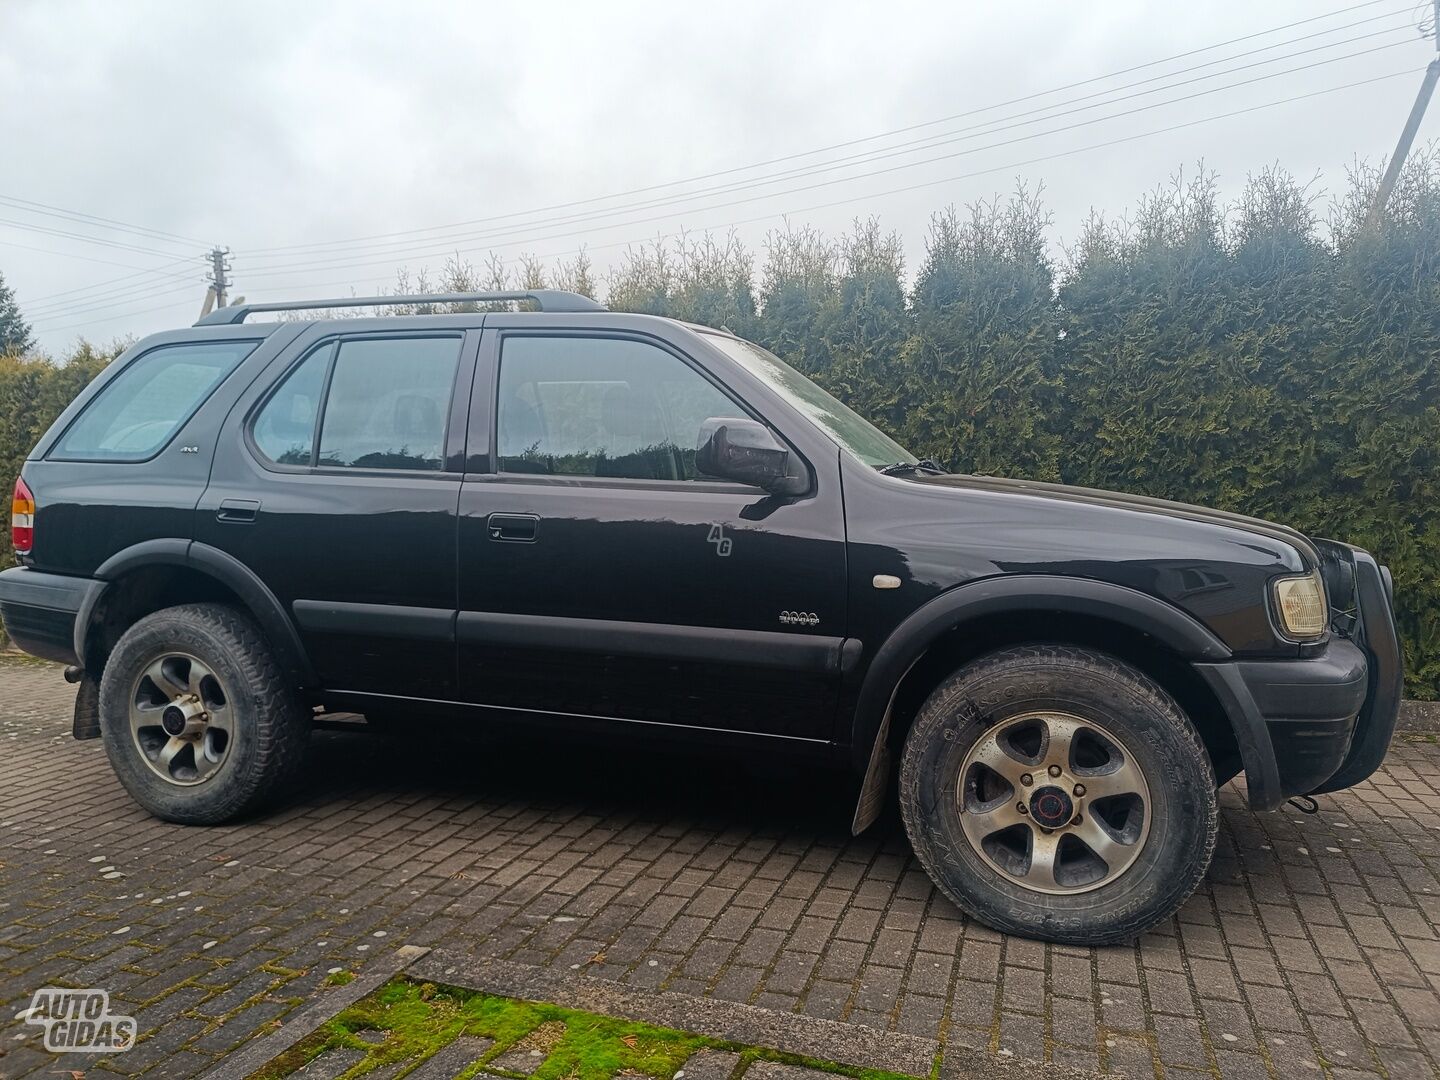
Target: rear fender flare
(229,571)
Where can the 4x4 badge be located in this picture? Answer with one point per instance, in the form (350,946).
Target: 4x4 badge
(723,544)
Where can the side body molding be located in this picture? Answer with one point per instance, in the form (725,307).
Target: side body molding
(998,596)
(228,571)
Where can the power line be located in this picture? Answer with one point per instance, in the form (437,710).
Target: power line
(965,176)
(119,245)
(68,255)
(847,143)
(504,238)
(908,188)
(110,297)
(111,318)
(93,219)
(100,285)
(168,289)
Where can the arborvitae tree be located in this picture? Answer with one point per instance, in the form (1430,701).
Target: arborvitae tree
(15,336)
(981,365)
(1383,489)
(644,280)
(577,275)
(1147,304)
(869,326)
(33,392)
(712,284)
(1243,357)
(799,298)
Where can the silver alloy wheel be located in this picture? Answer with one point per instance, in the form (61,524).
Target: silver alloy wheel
(181,719)
(1054,802)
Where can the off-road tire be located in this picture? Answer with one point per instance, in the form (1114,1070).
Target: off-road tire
(1183,814)
(272,725)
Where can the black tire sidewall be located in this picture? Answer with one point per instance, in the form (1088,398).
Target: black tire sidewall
(1182,810)
(240,780)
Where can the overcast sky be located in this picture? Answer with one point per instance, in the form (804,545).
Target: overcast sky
(302,125)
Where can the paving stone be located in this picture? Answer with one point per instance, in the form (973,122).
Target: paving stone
(520,1060)
(736,887)
(774,1070)
(709,1065)
(332,1063)
(449,1060)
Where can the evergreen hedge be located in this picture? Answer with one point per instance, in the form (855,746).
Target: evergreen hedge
(1252,357)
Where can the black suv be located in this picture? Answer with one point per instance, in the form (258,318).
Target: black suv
(600,522)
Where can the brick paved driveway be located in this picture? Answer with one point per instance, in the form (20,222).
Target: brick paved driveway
(1312,948)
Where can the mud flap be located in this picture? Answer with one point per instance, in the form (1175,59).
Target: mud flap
(86,724)
(877,781)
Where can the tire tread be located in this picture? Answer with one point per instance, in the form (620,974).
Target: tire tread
(937,709)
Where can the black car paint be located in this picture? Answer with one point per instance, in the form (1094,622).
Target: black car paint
(612,605)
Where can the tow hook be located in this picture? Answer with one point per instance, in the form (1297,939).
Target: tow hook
(74,674)
(1305,804)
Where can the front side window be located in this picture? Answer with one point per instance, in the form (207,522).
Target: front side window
(847,428)
(141,408)
(611,407)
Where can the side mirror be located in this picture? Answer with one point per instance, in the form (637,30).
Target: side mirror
(745,451)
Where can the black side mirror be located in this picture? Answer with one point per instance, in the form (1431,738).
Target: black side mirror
(745,451)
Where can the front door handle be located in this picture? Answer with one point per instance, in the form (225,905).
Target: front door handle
(515,528)
(237,511)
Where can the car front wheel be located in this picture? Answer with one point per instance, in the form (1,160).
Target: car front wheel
(198,721)
(1059,793)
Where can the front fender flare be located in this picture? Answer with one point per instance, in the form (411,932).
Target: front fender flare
(869,749)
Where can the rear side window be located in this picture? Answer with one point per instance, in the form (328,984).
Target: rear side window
(285,429)
(378,403)
(141,408)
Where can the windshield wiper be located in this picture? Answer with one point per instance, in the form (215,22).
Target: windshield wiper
(923,465)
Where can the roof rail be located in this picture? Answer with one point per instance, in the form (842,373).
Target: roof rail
(545,299)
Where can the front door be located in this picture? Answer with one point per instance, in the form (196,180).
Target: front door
(601,576)
(337,490)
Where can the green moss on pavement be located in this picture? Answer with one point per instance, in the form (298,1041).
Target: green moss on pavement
(421,1018)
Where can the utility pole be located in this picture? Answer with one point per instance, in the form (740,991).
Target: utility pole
(220,269)
(1407,136)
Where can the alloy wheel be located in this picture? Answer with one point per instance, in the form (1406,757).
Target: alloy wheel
(181,720)
(1054,802)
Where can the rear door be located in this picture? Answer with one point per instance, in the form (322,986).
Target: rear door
(337,484)
(128,460)
(601,576)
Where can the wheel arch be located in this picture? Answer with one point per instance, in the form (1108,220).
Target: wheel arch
(971,620)
(161,573)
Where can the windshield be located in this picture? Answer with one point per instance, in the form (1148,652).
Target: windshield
(842,423)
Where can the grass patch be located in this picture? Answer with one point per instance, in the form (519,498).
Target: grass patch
(421,1018)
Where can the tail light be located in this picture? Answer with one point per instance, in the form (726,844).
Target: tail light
(22,519)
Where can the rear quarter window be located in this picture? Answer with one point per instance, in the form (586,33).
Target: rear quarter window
(138,411)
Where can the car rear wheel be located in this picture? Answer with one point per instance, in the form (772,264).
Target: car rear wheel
(1059,793)
(198,721)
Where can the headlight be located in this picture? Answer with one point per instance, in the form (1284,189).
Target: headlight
(1300,606)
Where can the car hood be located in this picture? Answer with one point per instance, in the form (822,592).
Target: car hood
(1124,501)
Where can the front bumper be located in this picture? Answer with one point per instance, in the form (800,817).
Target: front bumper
(42,612)
(1321,723)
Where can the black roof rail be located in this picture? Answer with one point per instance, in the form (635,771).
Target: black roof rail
(545,299)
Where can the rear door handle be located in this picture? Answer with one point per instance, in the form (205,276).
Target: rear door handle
(237,511)
(515,528)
